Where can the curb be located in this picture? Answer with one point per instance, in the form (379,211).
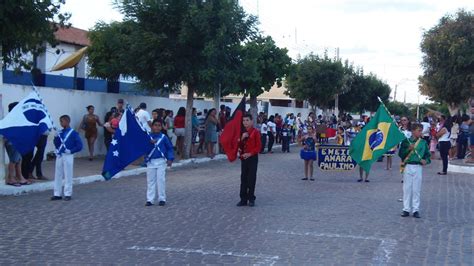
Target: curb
(49,185)
(454,168)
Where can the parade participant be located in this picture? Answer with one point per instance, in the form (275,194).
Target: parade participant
(414,153)
(340,136)
(67,143)
(263,134)
(250,145)
(271,126)
(160,156)
(308,154)
(285,138)
(443,130)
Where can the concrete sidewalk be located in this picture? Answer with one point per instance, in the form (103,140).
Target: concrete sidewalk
(86,171)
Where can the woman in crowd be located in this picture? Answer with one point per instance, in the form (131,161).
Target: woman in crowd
(179,130)
(89,125)
(454,137)
(443,130)
(271,127)
(211,132)
(169,126)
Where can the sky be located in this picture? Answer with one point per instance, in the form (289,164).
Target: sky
(381,36)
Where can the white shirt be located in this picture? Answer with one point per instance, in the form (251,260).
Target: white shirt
(426,129)
(144,117)
(406,132)
(263,128)
(445,136)
(271,127)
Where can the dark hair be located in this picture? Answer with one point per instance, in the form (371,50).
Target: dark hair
(209,112)
(222,107)
(157,121)
(142,106)
(271,118)
(425,119)
(341,128)
(249,116)
(89,107)
(465,118)
(11,106)
(181,111)
(65,117)
(415,126)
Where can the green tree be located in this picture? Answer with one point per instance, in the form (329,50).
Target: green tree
(316,79)
(448,60)
(26,26)
(363,93)
(263,64)
(180,42)
(400,109)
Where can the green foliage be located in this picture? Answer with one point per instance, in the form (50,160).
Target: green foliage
(448,59)
(171,42)
(399,109)
(316,79)
(26,26)
(262,65)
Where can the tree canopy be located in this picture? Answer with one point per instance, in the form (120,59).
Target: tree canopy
(448,60)
(26,25)
(316,79)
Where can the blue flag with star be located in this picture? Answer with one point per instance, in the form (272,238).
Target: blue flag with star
(130,142)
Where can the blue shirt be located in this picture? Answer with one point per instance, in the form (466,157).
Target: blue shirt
(164,148)
(72,143)
(310,144)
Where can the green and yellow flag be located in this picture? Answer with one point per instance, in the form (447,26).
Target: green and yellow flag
(376,138)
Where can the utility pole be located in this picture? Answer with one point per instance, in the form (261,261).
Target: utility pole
(336,98)
(405,97)
(395,94)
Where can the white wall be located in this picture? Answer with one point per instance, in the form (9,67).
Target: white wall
(74,102)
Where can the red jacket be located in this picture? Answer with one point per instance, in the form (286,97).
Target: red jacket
(252,144)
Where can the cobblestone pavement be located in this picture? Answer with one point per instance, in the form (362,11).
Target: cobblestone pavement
(333,220)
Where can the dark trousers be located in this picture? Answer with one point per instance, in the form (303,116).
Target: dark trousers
(285,146)
(444,147)
(30,162)
(271,140)
(462,147)
(39,155)
(427,139)
(264,142)
(248,178)
(278,136)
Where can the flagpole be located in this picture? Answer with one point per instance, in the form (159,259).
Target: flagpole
(386,109)
(2,142)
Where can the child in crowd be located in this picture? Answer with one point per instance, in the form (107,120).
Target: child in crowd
(389,154)
(414,153)
(340,136)
(263,133)
(158,158)
(285,138)
(67,142)
(308,154)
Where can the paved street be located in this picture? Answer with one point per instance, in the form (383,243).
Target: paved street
(333,220)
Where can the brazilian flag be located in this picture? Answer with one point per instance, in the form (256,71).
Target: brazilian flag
(376,138)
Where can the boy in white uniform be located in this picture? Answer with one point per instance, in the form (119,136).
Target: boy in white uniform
(160,156)
(414,153)
(67,142)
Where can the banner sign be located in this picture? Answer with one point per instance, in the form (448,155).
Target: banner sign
(335,158)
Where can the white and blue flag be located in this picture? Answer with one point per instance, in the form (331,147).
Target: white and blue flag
(130,142)
(25,123)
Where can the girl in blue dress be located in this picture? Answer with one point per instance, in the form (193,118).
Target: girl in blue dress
(308,154)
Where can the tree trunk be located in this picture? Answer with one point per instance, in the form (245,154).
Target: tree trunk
(453,108)
(253,108)
(188,124)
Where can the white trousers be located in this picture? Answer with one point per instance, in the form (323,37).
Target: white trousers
(156,180)
(172,137)
(63,171)
(412,187)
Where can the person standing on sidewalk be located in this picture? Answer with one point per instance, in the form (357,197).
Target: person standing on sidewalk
(67,142)
(414,153)
(250,145)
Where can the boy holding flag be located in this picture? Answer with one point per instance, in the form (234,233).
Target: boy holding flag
(414,153)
